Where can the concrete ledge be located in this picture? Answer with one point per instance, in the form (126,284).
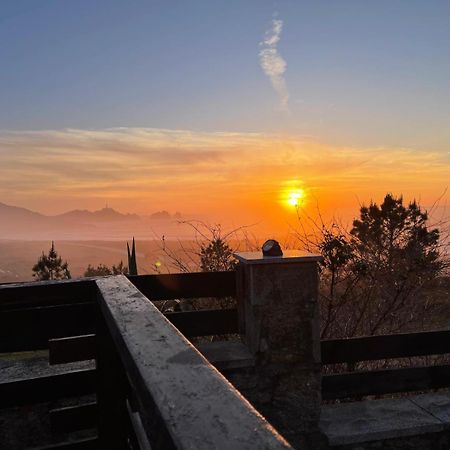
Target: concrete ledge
(376,420)
(436,404)
(183,401)
(288,257)
(226,355)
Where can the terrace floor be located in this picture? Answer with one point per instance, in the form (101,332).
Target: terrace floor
(379,420)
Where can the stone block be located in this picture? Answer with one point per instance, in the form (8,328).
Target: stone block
(436,404)
(376,420)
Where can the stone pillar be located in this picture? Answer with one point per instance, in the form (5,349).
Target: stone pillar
(279,321)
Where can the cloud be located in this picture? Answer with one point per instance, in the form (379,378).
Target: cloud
(145,169)
(273,64)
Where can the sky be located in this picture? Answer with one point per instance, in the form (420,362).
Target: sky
(221,108)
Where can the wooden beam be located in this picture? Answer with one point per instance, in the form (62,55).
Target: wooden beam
(379,382)
(46,293)
(192,323)
(186,285)
(196,406)
(91,443)
(48,388)
(205,322)
(72,349)
(31,328)
(112,389)
(74,418)
(386,346)
(137,431)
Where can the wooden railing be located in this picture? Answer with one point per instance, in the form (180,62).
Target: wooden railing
(186,285)
(153,387)
(64,318)
(33,313)
(385,381)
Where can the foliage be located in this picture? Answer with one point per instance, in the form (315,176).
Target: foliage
(210,250)
(216,256)
(397,257)
(51,266)
(391,236)
(377,277)
(132,264)
(102,270)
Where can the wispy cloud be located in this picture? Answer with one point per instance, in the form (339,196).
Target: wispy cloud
(272,63)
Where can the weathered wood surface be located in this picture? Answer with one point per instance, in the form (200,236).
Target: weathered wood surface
(30,328)
(385,346)
(91,443)
(112,389)
(156,287)
(198,407)
(73,418)
(379,382)
(44,327)
(192,323)
(186,285)
(72,349)
(42,293)
(205,322)
(138,436)
(47,388)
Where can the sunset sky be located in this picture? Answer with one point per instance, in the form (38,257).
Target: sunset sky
(221,108)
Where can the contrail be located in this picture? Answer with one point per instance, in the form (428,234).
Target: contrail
(272,63)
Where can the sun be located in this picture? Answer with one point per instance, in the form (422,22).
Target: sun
(295,197)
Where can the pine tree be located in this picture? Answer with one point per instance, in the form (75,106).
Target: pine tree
(216,256)
(51,266)
(103,270)
(132,263)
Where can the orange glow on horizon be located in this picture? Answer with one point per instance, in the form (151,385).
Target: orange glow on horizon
(230,178)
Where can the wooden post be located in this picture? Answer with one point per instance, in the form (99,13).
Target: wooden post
(111,391)
(280,324)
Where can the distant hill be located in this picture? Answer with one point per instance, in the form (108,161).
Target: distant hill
(8,212)
(106,223)
(105,214)
(161,215)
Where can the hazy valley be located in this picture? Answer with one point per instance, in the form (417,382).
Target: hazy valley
(85,237)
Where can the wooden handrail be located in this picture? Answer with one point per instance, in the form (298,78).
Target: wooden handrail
(46,293)
(155,287)
(186,285)
(30,328)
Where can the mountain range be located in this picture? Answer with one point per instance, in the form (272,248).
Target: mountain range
(22,223)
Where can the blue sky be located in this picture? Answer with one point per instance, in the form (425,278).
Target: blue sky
(357,73)
(223,106)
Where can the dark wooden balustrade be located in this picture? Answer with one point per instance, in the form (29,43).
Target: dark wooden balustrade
(64,318)
(33,313)
(387,381)
(153,387)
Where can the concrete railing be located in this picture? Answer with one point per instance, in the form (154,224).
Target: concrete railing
(171,394)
